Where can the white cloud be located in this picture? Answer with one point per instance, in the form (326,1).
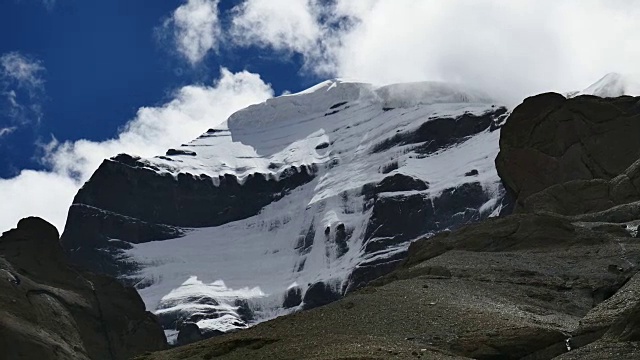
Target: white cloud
(195,29)
(7,130)
(282,24)
(22,86)
(26,72)
(308,27)
(154,129)
(35,193)
(511,49)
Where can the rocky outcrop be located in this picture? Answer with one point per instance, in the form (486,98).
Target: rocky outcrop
(142,204)
(550,140)
(319,294)
(442,132)
(49,310)
(399,218)
(138,190)
(189,333)
(578,197)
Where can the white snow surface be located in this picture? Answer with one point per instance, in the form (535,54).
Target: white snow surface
(259,258)
(614,85)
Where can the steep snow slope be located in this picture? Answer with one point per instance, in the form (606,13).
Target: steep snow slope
(380,167)
(614,85)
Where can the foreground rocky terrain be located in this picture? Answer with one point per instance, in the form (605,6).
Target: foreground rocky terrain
(49,310)
(557,279)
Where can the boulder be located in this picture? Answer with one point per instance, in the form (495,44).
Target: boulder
(293,297)
(189,333)
(319,294)
(550,140)
(50,310)
(579,197)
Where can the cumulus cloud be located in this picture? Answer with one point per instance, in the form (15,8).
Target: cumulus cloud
(308,27)
(22,86)
(195,29)
(510,49)
(153,130)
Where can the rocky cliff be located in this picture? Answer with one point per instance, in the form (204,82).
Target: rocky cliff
(550,140)
(556,280)
(49,310)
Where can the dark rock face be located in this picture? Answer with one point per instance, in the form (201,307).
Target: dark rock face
(550,140)
(52,311)
(319,294)
(589,196)
(440,133)
(398,219)
(293,298)
(93,228)
(188,201)
(173,152)
(189,333)
(143,205)
(394,183)
(408,216)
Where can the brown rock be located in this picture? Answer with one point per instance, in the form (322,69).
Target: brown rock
(550,140)
(48,310)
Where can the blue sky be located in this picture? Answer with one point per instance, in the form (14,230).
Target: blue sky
(102,60)
(81,81)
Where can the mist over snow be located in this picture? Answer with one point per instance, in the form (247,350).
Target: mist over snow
(614,85)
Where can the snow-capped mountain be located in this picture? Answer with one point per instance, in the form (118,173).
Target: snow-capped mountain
(613,85)
(292,202)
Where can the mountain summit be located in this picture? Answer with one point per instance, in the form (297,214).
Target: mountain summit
(614,85)
(290,203)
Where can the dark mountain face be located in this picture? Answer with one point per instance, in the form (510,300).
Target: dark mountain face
(556,280)
(50,310)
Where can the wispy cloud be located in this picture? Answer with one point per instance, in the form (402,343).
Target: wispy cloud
(49,4)
(23,88)
(24,71)
(7,130)
(194,28)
